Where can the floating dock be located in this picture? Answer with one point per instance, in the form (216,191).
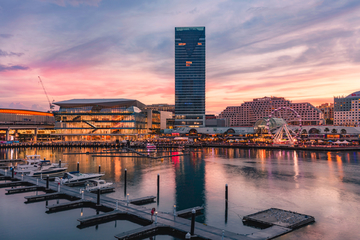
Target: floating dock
(186,213)
(279,217)
(279,221)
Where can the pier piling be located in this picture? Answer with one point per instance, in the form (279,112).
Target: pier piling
(125,175)
(98,198)
(59,163)
(193,213)
(47,182)
(12,172)
(78,167)
(99,168)
(158,189)
(226,192)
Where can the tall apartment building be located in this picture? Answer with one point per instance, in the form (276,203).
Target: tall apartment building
(190,76)
(328,111)
(347,110)
(249,112)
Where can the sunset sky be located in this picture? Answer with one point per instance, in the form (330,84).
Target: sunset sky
(305,51)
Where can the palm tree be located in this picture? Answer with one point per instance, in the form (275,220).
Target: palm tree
(334,131)
(326,130)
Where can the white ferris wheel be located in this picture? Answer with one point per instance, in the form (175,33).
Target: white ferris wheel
(283,135)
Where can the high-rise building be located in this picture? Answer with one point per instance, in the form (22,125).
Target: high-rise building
(347,110)
(328,110)
(190,76)
(249,112)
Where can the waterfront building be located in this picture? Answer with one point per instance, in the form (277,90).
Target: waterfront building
(347,110)
(249,112)
(161,107)
(26,125)
(105,119)
(328,111)
(190,76)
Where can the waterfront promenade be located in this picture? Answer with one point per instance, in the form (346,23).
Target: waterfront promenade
(142,144)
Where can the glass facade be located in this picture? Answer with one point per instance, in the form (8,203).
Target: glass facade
(87,124)
(190,76)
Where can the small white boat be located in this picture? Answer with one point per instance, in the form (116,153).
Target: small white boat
(70,177)
(47,168)
(31,164)
(150,146)
(95,184)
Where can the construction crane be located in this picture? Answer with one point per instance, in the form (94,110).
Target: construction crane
(50,105)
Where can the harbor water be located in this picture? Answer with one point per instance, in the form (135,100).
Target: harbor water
(325,185)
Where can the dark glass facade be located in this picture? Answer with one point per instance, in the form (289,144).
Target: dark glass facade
(190,76)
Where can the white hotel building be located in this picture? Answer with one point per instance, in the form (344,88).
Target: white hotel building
(347,110)
(249,112)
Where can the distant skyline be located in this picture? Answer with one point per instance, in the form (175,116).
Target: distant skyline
(305,51)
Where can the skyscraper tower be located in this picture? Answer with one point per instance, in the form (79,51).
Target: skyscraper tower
(190,76)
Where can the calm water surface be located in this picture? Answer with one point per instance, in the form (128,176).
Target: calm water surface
(325,185)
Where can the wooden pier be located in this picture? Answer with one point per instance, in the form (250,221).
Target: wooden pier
(186,213)
(50,196)
(26,189)
(142,201)
(161,223)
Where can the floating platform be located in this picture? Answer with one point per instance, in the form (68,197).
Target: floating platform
(278,217)
(186,213)
(140,233)
(25,189)
(49,196)
(5,178)
(14,184)
(104,190)
(112,216)
(143,200)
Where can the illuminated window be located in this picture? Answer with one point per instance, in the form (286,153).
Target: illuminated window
(182,44)
(188,62)
(199,43)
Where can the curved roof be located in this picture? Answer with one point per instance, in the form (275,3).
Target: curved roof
(25,112)
(354,94)
(107,103)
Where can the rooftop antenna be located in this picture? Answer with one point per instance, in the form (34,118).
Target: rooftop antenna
(50,104)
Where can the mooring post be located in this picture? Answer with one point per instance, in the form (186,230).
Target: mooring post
(174,210)
(98,197)
(193,213)
(47,182)
(22,177)
(158,184)
(223,234)
(125,175)
(117,204)
(58,186)
(127,200)
(226,192)
(12,172)
(59,163)
(78,167)
(155,218)
(188,236)
(99,169)
(5,172)
(37,182)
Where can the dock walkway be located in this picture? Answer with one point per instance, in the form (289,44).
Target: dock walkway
(177,224)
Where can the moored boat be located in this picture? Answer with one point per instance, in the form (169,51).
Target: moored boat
(70,177)
(47,168)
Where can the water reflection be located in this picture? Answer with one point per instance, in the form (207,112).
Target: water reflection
(323,184)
